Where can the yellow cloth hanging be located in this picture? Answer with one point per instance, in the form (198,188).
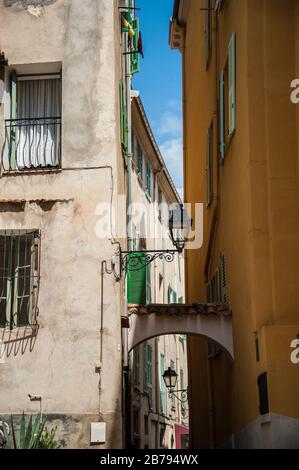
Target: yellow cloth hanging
(127,26)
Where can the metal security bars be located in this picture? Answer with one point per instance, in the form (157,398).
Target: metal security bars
(19,278)
(31,144)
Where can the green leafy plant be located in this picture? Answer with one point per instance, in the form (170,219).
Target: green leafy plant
(31,434)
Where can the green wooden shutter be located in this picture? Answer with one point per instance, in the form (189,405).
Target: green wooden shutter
(208,167)
(136,284)
(223,277)
(140,161)
(135,57)
(13,115)
(123,120)
(208,36)
(148,179)
(222,116)
(127,16)
(232,85)
(148,284)
(163,395)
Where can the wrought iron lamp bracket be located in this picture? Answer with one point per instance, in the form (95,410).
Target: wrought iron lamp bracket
(184,394)
(134,261)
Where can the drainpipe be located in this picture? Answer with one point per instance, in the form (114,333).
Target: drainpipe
(129,245)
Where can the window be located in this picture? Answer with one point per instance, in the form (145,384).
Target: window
(136,366)
(135,57)
(136,419)
(139,161)
(169,295)
(160,202)
(160,281)
(208,31)
(232,86)
(227,99)
(133,147)
(19,276)
(163,391)
(146,425)
(209,165)
(218,5)
(262,383)
(33,132)
(148,370)
(148,179)
(162,436)
(172,296)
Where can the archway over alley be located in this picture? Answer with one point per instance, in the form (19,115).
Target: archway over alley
(211,321)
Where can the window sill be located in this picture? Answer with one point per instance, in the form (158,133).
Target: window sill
(35,171)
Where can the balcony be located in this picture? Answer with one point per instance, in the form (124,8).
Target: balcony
(32,144)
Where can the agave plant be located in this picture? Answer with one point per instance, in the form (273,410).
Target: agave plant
(31,435)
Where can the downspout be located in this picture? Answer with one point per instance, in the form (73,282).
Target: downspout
(126,367)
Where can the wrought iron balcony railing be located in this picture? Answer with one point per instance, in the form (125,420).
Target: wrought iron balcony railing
(32,144)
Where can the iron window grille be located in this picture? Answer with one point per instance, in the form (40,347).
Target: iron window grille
(31,144)
(19,278)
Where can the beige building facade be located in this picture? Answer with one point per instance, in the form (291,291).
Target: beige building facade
(61,160)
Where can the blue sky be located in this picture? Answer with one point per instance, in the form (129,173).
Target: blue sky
(160,83)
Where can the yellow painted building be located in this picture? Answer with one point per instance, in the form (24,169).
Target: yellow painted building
(241,158)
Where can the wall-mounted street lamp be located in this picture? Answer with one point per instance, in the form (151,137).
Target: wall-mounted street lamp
(179,224)
(170,378)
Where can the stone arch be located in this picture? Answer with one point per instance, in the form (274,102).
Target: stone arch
(213,322)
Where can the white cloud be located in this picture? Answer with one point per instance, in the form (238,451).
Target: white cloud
(172,152)
(170,124)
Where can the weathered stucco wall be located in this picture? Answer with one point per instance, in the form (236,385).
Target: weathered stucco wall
(60,362)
